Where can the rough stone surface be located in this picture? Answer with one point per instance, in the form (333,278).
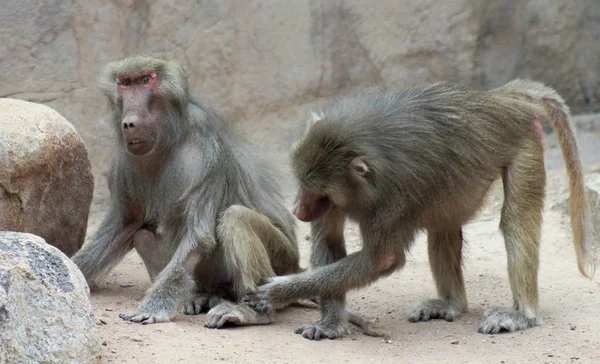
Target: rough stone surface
(264,62)
(45,312)
(46,182)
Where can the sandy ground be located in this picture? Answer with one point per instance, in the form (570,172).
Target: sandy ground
(569,304)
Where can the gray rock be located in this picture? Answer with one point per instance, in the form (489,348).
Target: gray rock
(45,312)
(46,183)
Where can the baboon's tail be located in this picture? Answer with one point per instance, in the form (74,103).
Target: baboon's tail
(559,117)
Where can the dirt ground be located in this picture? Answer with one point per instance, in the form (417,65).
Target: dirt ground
(569,303)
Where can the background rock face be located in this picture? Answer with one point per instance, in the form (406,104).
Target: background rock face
(45,312)
(46,182)
(264,62)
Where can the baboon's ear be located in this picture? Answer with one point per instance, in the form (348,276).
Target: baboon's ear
(316,116)
(360,166)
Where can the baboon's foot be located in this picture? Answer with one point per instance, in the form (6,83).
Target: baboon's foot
(497,320)
(201,303)
(320,330)
(146,317)
(435,309)
(228,313)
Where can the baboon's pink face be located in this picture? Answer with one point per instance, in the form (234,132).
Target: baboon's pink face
(310,206)
(139,119)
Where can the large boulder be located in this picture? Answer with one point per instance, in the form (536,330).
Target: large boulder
(45,312)
(46,182)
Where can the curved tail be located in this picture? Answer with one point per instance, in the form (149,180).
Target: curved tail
(548,101)
(579,210)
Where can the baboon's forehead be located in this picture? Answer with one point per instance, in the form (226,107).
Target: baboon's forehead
(137,66)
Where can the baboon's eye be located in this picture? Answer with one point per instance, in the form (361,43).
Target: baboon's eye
(146,80)
(126,82)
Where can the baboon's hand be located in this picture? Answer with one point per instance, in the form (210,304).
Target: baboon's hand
(238,315)
(268,296)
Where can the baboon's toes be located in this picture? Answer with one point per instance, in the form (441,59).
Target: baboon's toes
(318,331)
(497,320)
(195,305)
(434,309)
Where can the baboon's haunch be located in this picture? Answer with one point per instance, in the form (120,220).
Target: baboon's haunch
(201,209)
(423,159)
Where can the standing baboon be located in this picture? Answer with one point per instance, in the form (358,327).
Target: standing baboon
(202,210)
(423,159)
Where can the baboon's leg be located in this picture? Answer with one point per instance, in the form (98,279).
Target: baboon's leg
(244,235)
(445,259)
(250,242)
(328,246)
(524,181)
(153,253)
(209,293)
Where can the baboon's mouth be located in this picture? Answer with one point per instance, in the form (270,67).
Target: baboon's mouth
(138,146)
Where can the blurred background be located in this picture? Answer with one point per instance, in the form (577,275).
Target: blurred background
(265,63)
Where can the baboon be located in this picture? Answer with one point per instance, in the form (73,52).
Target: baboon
(423,159)
(197,204)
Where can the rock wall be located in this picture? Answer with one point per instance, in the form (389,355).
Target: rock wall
(263,62)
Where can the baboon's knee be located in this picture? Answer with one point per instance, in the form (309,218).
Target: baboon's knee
(233,220)
(234,213)
(389,263)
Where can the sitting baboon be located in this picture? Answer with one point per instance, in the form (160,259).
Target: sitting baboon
(199,206)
